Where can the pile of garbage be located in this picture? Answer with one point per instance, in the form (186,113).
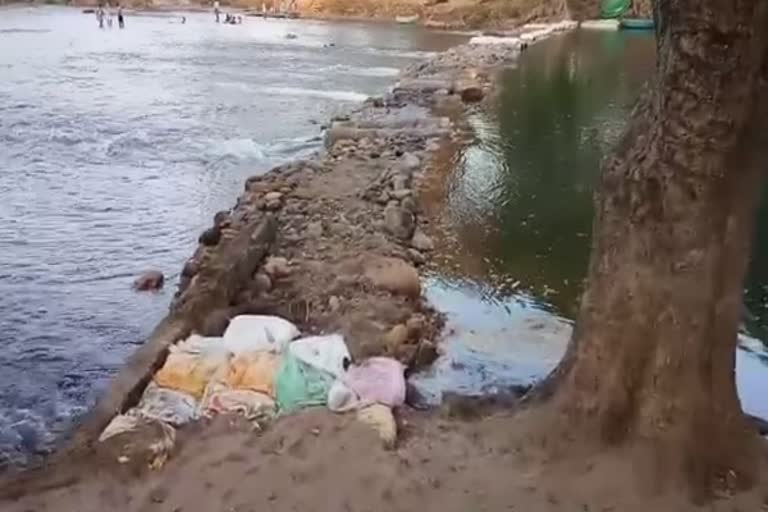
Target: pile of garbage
(259,369)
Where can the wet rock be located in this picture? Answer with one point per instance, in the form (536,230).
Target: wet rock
(315,229)
(399,222)
(422,242)
(383,198)
(222,218)
(150,280)
(426,354)
(416,257)
(190,268)
(472,94)
(210,236)
(273,205)
(277,267)
(396,337)
(394,275)
(261,282)
(415,326)
(415,398)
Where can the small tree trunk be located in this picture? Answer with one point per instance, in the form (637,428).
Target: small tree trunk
(653,354)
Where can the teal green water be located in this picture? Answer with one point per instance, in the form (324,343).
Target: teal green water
(518,204)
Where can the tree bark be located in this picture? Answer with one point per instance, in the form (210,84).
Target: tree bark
(652,358)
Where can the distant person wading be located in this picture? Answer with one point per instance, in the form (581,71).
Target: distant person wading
(120,18)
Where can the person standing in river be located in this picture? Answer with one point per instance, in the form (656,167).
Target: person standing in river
(216,9)
(120,19)
(100,16)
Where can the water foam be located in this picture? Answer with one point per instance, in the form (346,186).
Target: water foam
(316,93)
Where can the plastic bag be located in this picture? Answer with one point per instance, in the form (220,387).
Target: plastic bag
(120,424)
(166,405)
(325,353)
(248,333)
(299,385)
(221,400)
(254,371)
(191,373)
(377,380)
(381,419)
(341,398)
(197,344)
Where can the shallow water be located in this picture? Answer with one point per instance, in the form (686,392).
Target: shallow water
(516,206)
(116,149)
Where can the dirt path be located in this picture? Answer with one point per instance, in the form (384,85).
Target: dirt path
(319,461)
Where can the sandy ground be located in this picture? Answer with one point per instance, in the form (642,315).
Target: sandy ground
(324,462)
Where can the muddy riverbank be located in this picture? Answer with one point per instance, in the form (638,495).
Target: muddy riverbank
(332,243)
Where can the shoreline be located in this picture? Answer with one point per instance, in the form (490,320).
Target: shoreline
(346,225)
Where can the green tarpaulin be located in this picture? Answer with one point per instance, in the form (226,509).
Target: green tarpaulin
(614,8)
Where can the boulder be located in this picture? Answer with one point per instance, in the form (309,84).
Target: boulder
(472,94)
(276,267)
(399,222)
(273,196)
(397,336)
(148,281)
(410,161)
(210,236)
(416,325)
(416,257)
(422,242)
(261,282)
(394,275)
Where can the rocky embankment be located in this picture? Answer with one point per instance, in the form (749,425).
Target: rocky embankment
(334,243)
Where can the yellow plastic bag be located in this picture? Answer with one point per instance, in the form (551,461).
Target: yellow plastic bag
(380,418)
(190,373)
(253,371)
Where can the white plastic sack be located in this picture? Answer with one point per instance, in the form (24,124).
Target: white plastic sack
(342,399)
(326,353)
(248,333)
(166,405)
(197,344)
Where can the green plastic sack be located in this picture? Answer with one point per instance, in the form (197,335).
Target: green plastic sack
(614,8)
(299,385)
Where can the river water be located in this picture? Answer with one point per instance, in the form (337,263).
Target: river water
(116,149)
(515,205)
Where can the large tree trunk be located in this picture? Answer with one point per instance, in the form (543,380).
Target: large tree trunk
(653,354)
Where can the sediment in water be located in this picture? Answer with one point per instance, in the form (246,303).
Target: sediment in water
(332,243)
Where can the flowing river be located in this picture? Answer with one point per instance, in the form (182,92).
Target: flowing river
(116,149)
